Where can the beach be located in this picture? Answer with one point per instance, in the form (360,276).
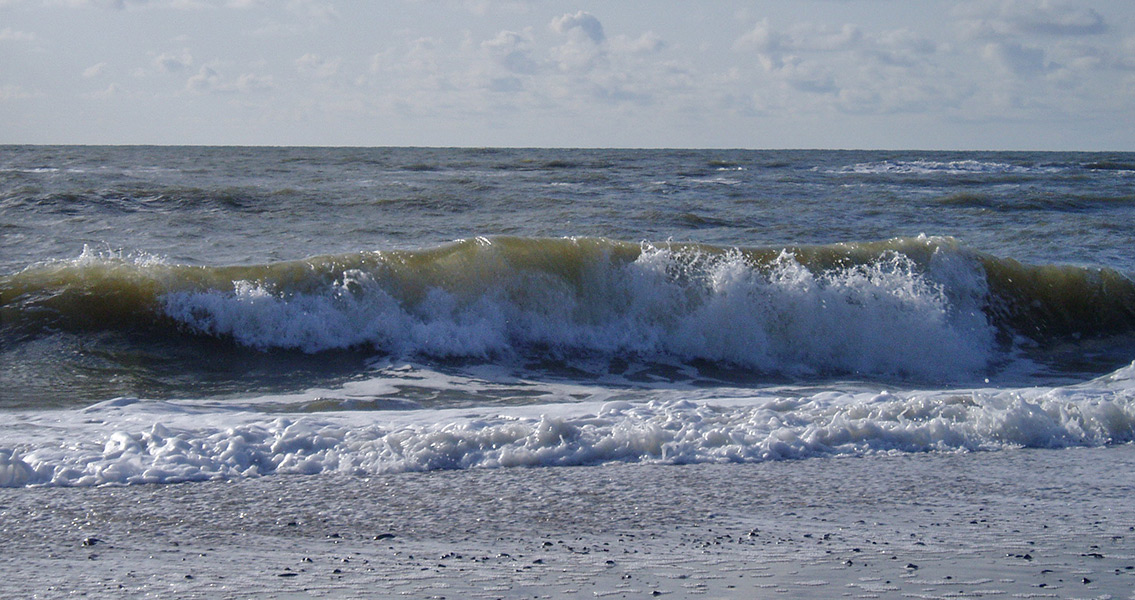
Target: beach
(557,373)
(1007,524)
(499,300)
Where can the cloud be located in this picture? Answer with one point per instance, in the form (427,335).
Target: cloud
(580,21)
(313,9)
(1060,41)
(250,82)
(1126,58)
(902,47)
(647,43)
(169,63)
(206,80)
(585,47)
(988,20)
(113,90)
(809,77)
(1016,58)
(812,68)
(513,51)
(506,85)
(148,4)
(801,37)
(18,92)
(11,35)
(94,70)
(314,65)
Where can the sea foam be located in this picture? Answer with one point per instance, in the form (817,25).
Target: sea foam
(127,442)
(890,315)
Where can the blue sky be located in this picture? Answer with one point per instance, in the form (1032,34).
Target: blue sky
(994,74)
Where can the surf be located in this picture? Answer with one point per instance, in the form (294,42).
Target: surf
(925,308)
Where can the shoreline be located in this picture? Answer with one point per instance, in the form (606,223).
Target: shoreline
(1013,523)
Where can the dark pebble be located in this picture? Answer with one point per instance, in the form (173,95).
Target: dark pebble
(90,541)
(912,566)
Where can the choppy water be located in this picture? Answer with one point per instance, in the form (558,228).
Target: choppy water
(188,313)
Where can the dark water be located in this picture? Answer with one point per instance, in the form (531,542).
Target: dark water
(223,272)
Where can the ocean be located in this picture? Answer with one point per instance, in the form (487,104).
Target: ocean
(177,314)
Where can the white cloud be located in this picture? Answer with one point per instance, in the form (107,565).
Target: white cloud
(251,82)
(313,9)
(18,92)
(513,51)
(527,71)
(647,43)
(584,48)
(1015,58)
(149,4)
(314,65)
(424,55)
(170,63)
(902,47)
(94,70)
(801,37)
(1126,58)
(582,21)
(206,80)
(992,20)
(844,68)
(111,91)
(11,35)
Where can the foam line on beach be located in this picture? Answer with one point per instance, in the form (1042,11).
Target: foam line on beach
(128,441)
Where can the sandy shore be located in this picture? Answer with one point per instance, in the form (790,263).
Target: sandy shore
(1012,524)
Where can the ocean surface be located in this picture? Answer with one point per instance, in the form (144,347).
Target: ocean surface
(173,314)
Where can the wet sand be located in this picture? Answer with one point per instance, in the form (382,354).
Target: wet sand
(1010,524)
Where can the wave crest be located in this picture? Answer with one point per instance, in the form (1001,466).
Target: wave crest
(486,298)
(926,307)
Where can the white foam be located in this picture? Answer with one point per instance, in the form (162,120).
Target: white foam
(126,442)
(932,167)
(891,317)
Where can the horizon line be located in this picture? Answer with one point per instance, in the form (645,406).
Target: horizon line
(554,147)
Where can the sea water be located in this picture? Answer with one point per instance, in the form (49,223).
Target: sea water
(174,314)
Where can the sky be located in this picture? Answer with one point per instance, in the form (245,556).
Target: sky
(872,74)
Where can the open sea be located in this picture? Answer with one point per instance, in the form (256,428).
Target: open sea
(172,314)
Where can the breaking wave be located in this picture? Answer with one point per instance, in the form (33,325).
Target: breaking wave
(924,308)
